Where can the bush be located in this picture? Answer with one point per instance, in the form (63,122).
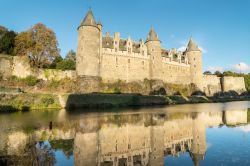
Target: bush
(46,101)
(30,80)
(66,65)
(54,84)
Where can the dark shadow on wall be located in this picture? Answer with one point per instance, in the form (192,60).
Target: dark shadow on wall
(105,101)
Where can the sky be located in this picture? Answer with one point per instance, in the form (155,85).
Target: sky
(221,28)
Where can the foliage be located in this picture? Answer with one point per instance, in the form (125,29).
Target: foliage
(66,64)
(218,73)
(1,76)
(38,43)
(7,41)
(207,73)
(57,60)
(54,84)
(30,80)
(71,55)
(47,100)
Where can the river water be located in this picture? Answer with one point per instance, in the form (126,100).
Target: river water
(200,134)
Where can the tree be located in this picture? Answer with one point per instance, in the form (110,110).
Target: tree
(207,73)
(7,42)
(218,73)
(228,73)
(3,30)
(7,39)
(71,55)
(38,43)
(66,65)
(57,60)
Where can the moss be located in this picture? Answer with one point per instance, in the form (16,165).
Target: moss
(26,101)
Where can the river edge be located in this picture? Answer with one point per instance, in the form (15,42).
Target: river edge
(42,101)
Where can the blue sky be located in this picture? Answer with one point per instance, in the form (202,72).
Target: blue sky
(220,27)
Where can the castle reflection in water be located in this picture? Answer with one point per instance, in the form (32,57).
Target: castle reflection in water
(118,139)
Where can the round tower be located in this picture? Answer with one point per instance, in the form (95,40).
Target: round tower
(154,50)
(88,49)
(194,55)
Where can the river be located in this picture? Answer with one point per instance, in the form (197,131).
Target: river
(198,134)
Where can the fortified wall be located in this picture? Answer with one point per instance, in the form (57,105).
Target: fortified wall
(20,67)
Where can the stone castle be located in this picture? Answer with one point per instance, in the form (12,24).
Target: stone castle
(109,59)
(113,58)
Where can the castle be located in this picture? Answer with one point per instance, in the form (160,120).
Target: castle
(113,58)
(107,59)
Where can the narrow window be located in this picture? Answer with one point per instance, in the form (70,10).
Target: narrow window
(128,60)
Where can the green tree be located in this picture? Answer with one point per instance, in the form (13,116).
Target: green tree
(71,55)
(7,43)
(207,73)
(57,60)
(218,73)
(3,30)
(66,65)
(38,43)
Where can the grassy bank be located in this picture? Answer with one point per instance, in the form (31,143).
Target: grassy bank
(36,101)
(28,101)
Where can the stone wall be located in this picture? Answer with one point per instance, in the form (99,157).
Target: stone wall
(19,66)
(123,67)
(5,65)
(233,84)
(176,74)
(211,84)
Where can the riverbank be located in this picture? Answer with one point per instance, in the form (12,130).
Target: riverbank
(40,101)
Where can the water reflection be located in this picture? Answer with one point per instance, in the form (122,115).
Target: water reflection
(113,139)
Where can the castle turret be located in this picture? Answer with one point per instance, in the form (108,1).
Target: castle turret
(194,55)
(154,50)
(88,50)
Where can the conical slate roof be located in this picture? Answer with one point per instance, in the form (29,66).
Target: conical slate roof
(152,36)
(192,46)
(89,19)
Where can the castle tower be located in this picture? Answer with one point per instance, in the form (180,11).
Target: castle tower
(154,50)
(88,50)
(194,55)
(198,148)
(88,54)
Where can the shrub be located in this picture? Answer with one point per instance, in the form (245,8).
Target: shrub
(30,80)
(66,64)
(54,84)
(46,101)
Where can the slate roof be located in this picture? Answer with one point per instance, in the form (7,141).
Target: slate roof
(192,46)
(152,36)
(89,19)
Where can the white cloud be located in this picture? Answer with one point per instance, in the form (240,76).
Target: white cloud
(183,48)
(245,129)
(215,68)
(241,67)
